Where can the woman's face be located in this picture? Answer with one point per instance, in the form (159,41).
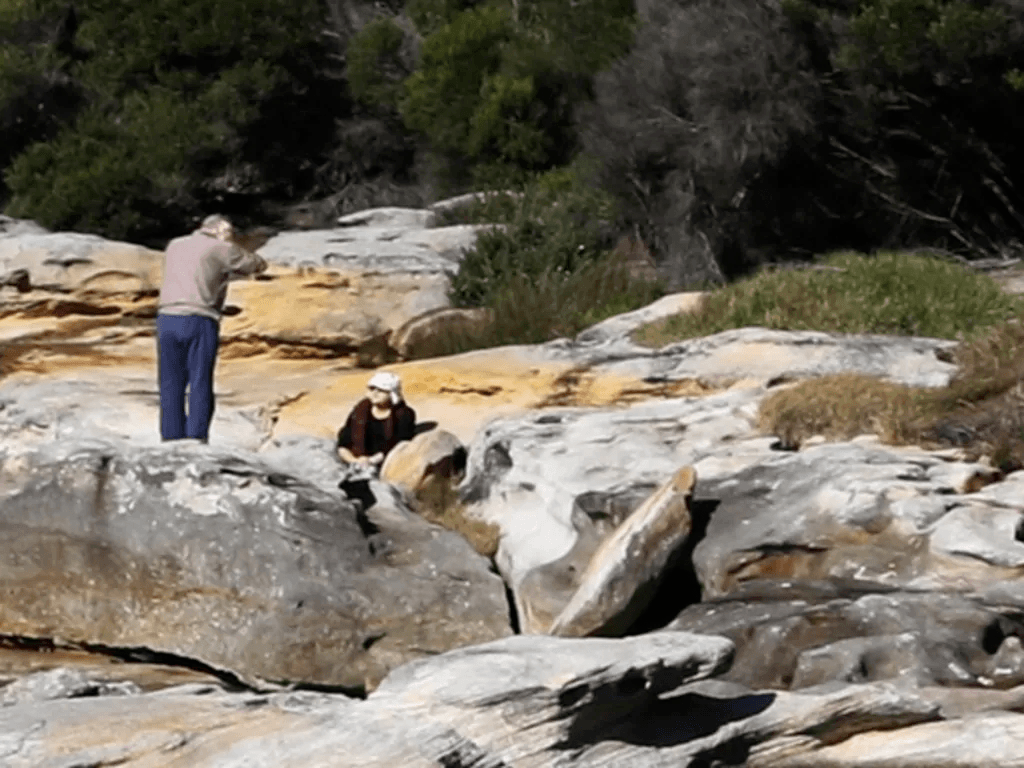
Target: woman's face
(379,397)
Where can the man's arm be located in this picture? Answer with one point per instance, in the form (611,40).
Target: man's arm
(240,262)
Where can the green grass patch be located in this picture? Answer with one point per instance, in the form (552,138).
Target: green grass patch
(888,293)
(550,270)
(532,309)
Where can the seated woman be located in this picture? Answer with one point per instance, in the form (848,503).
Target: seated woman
(376,424)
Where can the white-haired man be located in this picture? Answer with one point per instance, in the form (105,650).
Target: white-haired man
(197,268)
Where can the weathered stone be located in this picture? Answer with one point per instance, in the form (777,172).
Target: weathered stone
(453,205)
(212,555)
(12,227)
(61,683)
(523,701)
(525,474)
(856,511)
(431,454)
(982,740)
(547,589)
(921,638)
(406,218)
(385,249)
(627,567)
(67,261)
(422,331)
(762,356)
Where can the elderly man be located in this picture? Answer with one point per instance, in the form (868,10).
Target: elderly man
(197,269)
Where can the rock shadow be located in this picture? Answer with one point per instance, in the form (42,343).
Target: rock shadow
(679,587)
(668,722)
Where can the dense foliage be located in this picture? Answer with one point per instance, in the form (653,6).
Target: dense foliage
(728,133)
(159,109)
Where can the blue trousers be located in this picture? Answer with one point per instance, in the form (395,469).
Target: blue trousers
(187,354)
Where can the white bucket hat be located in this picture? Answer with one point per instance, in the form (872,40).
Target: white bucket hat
(388,382)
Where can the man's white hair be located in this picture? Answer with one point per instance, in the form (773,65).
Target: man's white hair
(217,226)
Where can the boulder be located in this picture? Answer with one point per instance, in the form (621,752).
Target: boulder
(424,332)
(11,226)
(431,454)
(835,633)
(530,702)
(67,261)
(452,206)
(338,290)
(756,356)
(61,683)
(520,701)
(212,555)
(404,218)
(528,474)
(626,569)
(894,517)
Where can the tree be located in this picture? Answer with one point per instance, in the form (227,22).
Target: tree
(497,83)
(922,119)
(692,125)
(185,106)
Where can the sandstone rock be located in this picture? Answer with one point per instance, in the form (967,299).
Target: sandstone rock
(12,227)
(527,474)
(340,289)
(619,327)
(385,249)
(434,453)
(404,218)
(453,205)
(627,567)
(523,702)
(108,408)
(982,740)
(61,683)
(760,356)
(856,511)
(919,638)
(212,555)
(422,331)
(546,589)
(696,724)
(67,261)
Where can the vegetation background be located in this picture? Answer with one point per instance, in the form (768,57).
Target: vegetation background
(708,137)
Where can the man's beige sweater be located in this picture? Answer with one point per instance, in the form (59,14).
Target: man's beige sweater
(197,269)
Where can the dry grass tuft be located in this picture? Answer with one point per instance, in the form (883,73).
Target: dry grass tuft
(981,411)
(841,407)
(438,502)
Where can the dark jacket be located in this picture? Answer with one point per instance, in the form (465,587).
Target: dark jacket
(364,435)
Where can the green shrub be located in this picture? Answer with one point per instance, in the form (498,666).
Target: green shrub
(531,309)
(558,224)
(890,293)
(375,70)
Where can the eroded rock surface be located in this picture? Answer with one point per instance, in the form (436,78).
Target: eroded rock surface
(530,702)
(859,511)
(213,555)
